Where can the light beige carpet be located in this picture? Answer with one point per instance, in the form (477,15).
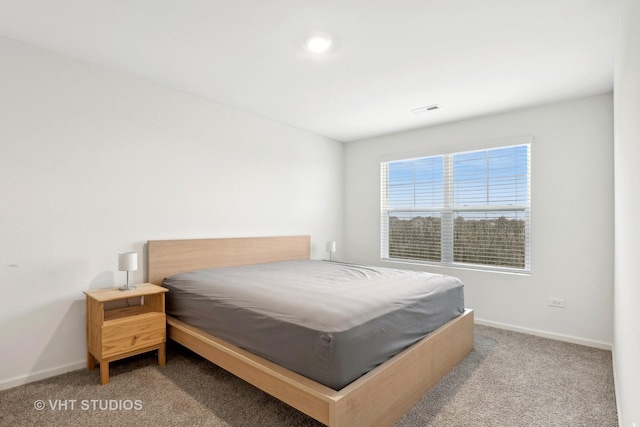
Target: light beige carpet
(509,379)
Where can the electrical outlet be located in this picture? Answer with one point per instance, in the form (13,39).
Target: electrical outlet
(556,302)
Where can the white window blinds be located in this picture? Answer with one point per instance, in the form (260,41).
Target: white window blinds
(459,209)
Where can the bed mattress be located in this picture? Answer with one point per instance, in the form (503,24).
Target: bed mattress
(329,321)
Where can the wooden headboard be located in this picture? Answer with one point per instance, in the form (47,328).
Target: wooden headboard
(168,257)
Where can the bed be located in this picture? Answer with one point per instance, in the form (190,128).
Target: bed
(379,397)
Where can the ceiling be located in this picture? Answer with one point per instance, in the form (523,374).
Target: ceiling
(388,57)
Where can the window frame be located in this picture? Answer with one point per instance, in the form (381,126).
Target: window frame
(449,209)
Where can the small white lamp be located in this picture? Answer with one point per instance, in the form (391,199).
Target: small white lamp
(127,261)
(331,248)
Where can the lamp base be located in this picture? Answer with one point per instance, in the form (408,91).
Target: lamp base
(127,288)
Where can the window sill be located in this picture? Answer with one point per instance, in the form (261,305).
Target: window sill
(469,267)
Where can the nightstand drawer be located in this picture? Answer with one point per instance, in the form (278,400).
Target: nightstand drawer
(123,337)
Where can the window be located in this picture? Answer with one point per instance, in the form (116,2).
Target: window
(459,209)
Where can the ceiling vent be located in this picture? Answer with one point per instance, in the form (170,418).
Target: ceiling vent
(426,109)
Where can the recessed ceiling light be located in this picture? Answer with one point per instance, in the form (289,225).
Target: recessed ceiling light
(318,43)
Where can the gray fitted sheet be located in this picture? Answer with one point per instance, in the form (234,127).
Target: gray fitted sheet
(329,321)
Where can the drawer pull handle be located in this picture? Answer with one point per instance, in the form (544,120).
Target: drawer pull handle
(134,339)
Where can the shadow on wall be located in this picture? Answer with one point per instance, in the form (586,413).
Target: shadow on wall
(47,340)
(60,325)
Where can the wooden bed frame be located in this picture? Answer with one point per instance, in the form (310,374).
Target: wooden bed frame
(378,398)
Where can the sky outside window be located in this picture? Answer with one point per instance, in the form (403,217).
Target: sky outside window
(480,178)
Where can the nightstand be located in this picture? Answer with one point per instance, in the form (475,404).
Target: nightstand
(117,333)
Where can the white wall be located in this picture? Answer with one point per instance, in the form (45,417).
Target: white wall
(572,215)
(94,162)
(627,205)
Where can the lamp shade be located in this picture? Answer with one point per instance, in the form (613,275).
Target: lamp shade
(128,261)
(331,246)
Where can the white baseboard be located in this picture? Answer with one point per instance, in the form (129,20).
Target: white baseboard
(40,375)
(615,385)
(544,334)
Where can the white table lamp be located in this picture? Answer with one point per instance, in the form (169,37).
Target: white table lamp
(331,248)
(127,261)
